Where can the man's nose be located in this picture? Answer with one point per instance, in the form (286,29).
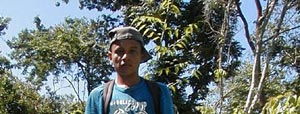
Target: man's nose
(124,57)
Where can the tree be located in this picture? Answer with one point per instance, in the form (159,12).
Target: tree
(271,23)
(74,50)
(272,39)
(5,65)
(17,97)
(288,103)
(224,30)
(4,21)
(177,32)
(275,48)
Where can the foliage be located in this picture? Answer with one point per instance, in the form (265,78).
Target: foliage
(274,35)
(107,4)
(63,104)
(185,38)
(74,49)
(181,61)
(4,21)
(5,65)
(275,50)
(275,20)
(288,103)
(18,97)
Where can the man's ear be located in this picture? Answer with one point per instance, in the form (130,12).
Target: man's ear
(109,55)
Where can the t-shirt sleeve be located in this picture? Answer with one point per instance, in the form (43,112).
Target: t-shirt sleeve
(94,101)
(166,100)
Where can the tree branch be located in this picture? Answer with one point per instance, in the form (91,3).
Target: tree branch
(76,92)
(261,82)
(259,9)
(279,23)
(286,30)
(226,95)
(251,44)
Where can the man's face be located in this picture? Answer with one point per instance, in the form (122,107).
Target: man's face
(125,56)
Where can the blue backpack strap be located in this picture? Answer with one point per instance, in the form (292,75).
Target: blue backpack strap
(155,92)
(107,92)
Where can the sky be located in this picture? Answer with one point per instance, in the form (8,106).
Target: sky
(22,13)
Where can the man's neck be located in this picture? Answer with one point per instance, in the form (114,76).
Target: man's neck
(127,81)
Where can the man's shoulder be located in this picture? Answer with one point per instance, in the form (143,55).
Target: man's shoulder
(164,89)
(162,86)
(97,91)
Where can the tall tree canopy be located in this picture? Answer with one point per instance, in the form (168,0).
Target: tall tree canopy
(74,49)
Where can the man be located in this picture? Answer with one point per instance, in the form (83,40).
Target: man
(130,92)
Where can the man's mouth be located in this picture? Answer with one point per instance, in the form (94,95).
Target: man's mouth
(123,64)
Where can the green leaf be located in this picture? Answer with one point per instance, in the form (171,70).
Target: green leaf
(175,9)
(160,72)
(139,23)
(167,70)
(150,35)
(196,73)
(298,101)
(146,31)
(220,73)
(176,33)
(156,38)
(142,27)
(172,87)
(180,45)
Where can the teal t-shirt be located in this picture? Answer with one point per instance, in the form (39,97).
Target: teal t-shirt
(134,100)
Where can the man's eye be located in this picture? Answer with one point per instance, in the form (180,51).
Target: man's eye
(133,51)
(120,52)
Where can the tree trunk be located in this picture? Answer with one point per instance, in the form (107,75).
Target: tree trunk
(262,21)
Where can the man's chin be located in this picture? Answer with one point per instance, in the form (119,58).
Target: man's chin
(125,72)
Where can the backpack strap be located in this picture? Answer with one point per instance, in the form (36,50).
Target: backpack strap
(107,92)
(155,92)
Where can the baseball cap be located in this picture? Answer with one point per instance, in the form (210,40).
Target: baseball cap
(131,33)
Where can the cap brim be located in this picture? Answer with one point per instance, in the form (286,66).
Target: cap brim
(146,56)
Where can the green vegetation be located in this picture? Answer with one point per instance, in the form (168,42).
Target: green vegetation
(195,50)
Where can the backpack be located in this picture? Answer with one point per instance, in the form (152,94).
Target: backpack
(154,91)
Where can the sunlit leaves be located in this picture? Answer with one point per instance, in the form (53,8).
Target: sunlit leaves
(196,73)
(219,73)
(139,22)
(206,110)
(186,38)
(287,103)
(76,45)
(5,65)
(17,97)
(168,7)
